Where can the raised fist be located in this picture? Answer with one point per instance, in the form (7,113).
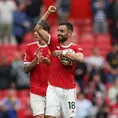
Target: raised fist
(52,9)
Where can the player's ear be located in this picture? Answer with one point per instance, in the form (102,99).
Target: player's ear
(69,33)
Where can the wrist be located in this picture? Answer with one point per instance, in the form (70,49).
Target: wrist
(48,12)
(64,52)
(36,59)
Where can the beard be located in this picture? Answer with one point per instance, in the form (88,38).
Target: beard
(62,39)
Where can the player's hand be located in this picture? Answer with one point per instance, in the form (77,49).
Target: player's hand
(57,53)
(52,9)
(44,60)
(38,54)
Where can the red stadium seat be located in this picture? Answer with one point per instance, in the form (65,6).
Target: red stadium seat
(87,29)
(23,93)
(1,47)
(1,94)
(22,48)
(103,53)
(104,46)
(88,52)
(87,22)
(103,42)
(80,9)
(9,51)
(103,39)
(86,41)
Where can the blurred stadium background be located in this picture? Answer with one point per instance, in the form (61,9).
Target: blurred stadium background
(95,30)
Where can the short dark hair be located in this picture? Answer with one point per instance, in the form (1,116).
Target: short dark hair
(68,25)
(46,27)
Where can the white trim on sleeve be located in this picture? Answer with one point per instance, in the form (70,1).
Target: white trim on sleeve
(49,39)
(27,62)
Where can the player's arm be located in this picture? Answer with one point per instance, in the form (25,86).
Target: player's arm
(39,26)
(30,66)
(45,60)
(79,57)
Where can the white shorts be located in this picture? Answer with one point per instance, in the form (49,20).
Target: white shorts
(38,104)
(60,100)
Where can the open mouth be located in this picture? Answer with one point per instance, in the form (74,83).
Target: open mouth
(59,36)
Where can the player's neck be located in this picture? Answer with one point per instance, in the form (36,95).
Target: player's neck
(40,43)
(66,43)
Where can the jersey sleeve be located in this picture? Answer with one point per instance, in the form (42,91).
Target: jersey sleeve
(52,42)
(27,57)
(78,50)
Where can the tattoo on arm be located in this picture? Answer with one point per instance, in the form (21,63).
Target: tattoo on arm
(41,22)
(28,68)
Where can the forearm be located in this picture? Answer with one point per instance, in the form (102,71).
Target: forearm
(39,28)
(74,56)
(29,67)
(41,22)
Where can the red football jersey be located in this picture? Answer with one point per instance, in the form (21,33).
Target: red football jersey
(39,75)
(60,75)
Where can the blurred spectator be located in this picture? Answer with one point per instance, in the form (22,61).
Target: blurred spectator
(99,8)
(114,109)
(113,92)
(63,9)
(112,64)
(5,73)
(96,92)
(19,1)
(20,23)
(80,72)
(89,92)
(21,79)
(83,106)
(104,111)
(114,16)
(95,61)
(95,64)
(3,113)
(99,99)
(11,104)
(97,84)
(6,12)
(33,10)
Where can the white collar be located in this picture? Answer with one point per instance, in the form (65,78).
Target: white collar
(41,45)
(66,45)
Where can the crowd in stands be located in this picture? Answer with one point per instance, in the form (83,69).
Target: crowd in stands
(96,77)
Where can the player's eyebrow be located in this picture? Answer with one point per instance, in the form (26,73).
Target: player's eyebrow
(60,30)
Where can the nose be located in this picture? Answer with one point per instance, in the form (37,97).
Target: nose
(59,33)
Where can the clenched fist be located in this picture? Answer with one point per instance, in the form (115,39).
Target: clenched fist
(52,9)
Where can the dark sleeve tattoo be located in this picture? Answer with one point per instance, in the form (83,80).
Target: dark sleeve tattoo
(41,22)
(29,67)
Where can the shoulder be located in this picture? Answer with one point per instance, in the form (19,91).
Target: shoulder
(30,46)
(76,47)
(52,40)
(33,43)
